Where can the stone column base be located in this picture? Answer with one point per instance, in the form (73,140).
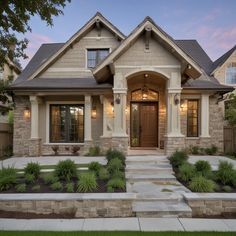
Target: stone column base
(35,147)
(174,143)
(105,143)
(87,145)
(120,144)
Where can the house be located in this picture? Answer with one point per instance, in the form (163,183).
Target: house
(146,90)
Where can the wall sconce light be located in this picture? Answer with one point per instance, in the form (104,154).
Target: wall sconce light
(117,100)
(27,112)
(94,113)
(176,99)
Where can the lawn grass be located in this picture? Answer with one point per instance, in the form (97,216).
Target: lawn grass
(113,233)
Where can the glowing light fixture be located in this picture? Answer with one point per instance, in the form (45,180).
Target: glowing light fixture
(27,112)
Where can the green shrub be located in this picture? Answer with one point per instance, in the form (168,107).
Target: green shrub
(225,173)
(95,166)
(21,188)
(50,178)
(57,186)
(116,183)
(87,182)
(29,178)
(7,178)
(118,174)
(115,165)
(70,187)
(110,189)
(113,153)
(33,168)
(234,179)
(186,172)
(36,188)
(203,168)
(94,151)
(178,158)
(103,174)
(201,184)
(66,170)
(227,189)
(195,150)
(211,150)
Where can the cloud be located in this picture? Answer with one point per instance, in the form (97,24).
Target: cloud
(35,41)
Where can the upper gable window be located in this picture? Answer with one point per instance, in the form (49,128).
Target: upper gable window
(94,56)
(231,74)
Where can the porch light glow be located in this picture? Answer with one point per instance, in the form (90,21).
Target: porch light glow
(27,113)
(94,113)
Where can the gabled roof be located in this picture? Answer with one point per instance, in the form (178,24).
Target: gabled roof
(220,61)
(76,37)
(148,22)
(196,52)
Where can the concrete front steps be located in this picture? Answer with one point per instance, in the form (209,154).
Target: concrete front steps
(153,173)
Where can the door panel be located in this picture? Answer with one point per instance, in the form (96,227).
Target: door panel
(148,121)
(144,128)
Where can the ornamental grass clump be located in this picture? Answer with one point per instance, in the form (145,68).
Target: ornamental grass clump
(226,173)
(29,178)
(201,184)
(87,182)
(70,187)
(95,166)
(32,168)
(66,170)
(178,158)
(57,186)
(50,178)
(103,174)
(186,172)
(115,165)
(116,183)
(203,168)
(21,188)
(8,178)
(113,153)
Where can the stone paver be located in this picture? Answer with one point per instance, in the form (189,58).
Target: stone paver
(119,224)
(160,224)
(204,225)
(213,160)
(21,162)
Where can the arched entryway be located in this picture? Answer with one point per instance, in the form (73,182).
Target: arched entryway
(147,110)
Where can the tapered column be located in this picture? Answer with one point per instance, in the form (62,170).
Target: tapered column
(34,117)
(205,115)
(87,118)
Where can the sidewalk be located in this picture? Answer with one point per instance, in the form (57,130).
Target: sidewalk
(120,224)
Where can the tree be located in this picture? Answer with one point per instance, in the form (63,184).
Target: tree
(14,18)
(230,110)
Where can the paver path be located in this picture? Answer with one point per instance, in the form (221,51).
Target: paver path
(159,194)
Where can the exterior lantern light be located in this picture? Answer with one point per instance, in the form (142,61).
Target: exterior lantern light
(27,112)
(94,113)
(176,99)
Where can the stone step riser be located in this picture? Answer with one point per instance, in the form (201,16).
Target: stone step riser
(131,180)
(164,161)
(149,171)
(163,214)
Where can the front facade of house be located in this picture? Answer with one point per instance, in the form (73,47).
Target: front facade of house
(144,91)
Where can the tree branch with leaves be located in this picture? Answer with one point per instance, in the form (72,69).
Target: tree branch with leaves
(230,110)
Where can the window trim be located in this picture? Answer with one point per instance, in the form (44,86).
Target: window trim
(48,103)
(198,113)
(90,48)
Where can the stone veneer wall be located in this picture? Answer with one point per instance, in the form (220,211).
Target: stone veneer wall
(211,204)
(21,136)
(216,126)
(79,205)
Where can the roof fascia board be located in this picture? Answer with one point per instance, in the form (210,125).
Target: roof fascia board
(74,38)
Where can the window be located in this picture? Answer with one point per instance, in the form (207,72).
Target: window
(231,74)
(1,74)
(66,123)
(144,94)
(192,118)
(94,56)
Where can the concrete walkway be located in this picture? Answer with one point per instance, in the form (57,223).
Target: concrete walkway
(21,162)
(120,224)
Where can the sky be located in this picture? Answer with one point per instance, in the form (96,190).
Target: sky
(211,22)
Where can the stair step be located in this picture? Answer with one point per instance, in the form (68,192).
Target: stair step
(149,177)
(160,197)
(161,209)
(146,159)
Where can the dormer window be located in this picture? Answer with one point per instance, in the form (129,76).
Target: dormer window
(231,74)
(96,55)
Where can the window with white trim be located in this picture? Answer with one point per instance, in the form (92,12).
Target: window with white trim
(95,56)
(1,74)
(231,74)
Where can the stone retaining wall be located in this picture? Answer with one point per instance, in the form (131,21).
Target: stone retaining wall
(80,205)
(211,204)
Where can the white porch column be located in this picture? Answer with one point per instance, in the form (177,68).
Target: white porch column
(205,115)
(34,117)
(173,106)
(119,112)
(87,118)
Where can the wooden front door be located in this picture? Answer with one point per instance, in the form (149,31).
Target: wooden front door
(144,124)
